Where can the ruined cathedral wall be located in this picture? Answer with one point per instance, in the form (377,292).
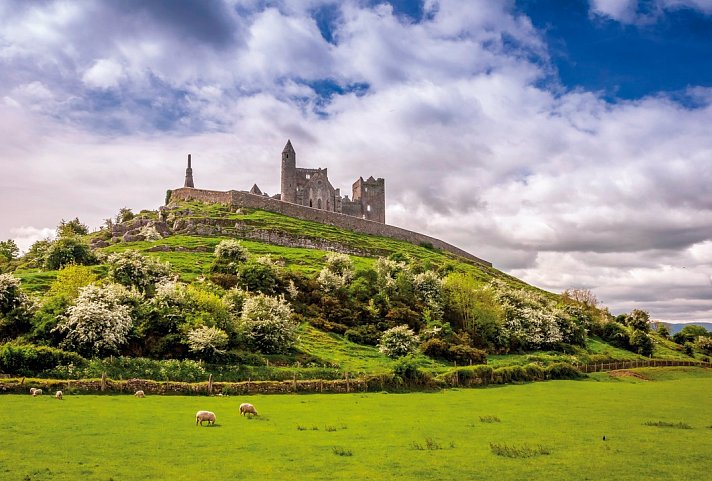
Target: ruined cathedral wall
(252,201)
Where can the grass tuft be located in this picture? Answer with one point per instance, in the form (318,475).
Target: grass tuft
(664,424)
(489,419)
(339,451)
(522,451)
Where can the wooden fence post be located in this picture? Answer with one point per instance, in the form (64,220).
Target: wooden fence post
(294,381)
(348,384)
(210,384)
(103,380)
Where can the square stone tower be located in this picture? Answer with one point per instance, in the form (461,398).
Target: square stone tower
(371,194)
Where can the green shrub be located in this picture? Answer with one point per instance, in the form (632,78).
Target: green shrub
(463,354)
(31,360)
(562,370)
(407,371)
(367,334)
(641,343)
(68,250)
(143,368)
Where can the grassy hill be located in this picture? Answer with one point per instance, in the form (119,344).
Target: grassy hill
(338,329)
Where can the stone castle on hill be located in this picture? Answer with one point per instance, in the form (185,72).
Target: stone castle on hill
(311,188)
(307,194)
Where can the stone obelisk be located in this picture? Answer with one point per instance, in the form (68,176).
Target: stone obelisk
(189,175)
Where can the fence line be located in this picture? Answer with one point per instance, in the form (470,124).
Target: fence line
(612,366)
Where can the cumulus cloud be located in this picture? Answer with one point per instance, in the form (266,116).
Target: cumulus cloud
(561,188)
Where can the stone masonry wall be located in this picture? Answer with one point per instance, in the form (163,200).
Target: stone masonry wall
(252,201)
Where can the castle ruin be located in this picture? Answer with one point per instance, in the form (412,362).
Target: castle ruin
(311,188)
(307,194)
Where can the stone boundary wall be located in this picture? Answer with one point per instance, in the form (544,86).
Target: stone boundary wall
(245,199)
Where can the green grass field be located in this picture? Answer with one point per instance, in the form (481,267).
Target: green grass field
(438,436)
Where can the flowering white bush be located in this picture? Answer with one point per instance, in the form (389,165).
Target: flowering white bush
(267,324)
(704,344)
(337,272)
(99,322)
(388,270)
(130,268)
(229,254)
(398,341)
(171,293)
(207,341)
(530,320)
(150,233)
(10,294)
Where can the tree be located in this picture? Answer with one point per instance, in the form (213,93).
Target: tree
(125,214)
(398,341)
(130,268)
(71,228)
(99,322)
(229,255)
(689,333)
(641,343)
(68,250)
(267,324)
(663,331)
(638,320)
(9,250)
(581,296)
(35,256)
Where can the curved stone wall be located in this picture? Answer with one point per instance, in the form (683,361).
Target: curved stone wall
(253,201)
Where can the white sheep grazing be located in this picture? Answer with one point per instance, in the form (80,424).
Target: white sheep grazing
(208,416)
(247,408)
(58,395)
(37,392)
(32,390)
(139,394)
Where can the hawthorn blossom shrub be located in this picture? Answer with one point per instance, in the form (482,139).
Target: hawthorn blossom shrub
(133,269)
(337,272)
(388,271)
(704,344)
(398,341)
(531,321)
(229,254)
(10,294)
(207,342)
(99,322)
(428,289)
(267,325)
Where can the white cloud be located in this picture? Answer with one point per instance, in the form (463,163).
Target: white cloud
(104,74)
(635,12)
(561,188)
(25,236)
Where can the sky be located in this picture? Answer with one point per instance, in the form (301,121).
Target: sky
(566,141)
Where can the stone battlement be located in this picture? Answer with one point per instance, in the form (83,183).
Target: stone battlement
(238,199)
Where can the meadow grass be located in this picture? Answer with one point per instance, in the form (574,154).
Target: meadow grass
(124,438)
(352,357)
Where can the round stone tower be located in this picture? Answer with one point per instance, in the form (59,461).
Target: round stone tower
(289,174)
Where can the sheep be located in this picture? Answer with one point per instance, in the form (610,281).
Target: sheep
(139,393)
(32,390)
(247,408)
(58,395)
(37,392)
(208,416)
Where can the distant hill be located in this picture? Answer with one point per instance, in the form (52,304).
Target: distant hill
(677,327)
